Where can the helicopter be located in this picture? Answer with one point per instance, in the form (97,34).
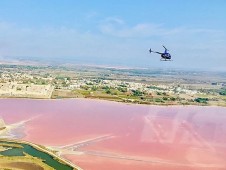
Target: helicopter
(165,56)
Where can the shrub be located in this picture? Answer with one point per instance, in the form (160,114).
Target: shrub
(201,100)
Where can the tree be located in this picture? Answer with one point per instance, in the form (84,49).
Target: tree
(108,91)
(94,88)
(137,93)
(223,93)
(201,100)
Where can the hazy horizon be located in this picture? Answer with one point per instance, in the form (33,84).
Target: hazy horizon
(47,61)
(110,33)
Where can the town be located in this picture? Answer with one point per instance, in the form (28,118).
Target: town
(141,86)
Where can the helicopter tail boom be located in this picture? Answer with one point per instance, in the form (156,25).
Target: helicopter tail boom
(154,51)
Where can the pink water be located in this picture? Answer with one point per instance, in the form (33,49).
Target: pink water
(141,137)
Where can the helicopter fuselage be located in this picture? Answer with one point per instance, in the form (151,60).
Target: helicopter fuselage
(166,56)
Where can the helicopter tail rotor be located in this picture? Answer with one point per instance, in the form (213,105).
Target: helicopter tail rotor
(150,50)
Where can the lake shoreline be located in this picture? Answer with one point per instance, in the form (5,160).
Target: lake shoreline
(101,100)
(42,149)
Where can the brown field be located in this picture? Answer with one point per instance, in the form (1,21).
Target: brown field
(22,163)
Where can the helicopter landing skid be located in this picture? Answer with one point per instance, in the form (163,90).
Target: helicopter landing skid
(165,60)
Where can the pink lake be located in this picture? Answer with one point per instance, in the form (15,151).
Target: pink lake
(99,135)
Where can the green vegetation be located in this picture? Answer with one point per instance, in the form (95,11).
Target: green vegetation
(223,92)
(155,88)
(137,93)
(149,86)
(201,100)
(122,89)
(165,98)
(19,153)
(172,98)
(18,88)
(159,100)
(108,91)
(94,88)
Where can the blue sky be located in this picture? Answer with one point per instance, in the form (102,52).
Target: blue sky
(116,32)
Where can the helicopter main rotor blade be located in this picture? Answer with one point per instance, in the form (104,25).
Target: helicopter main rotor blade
(165,48)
